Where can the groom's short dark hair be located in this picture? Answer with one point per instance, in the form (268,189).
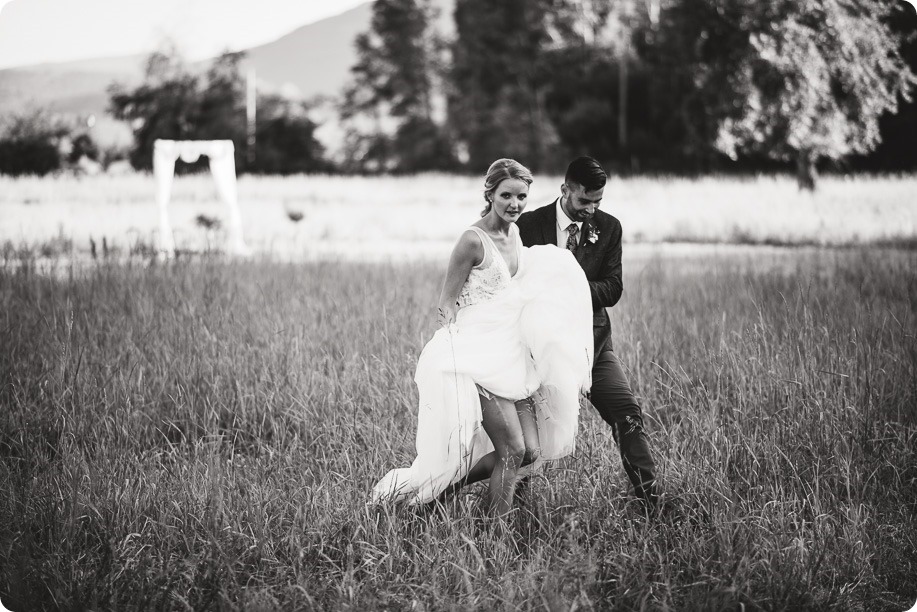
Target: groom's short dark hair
(587,172)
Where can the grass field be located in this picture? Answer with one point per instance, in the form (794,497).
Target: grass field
(204,434)
(393,217)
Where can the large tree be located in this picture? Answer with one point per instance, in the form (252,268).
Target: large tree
(897,152)
(221,102)
(165,105)
(389,107)
(499,82)
(286,142)
(794,80)
(597,92)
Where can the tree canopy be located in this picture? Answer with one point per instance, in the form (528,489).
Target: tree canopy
(388,108)
(801,80)
(670,85)
(38,142)
(175,103)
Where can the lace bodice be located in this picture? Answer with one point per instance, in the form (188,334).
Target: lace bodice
(492,275)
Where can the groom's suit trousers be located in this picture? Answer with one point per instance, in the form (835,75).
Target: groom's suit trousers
(612,397)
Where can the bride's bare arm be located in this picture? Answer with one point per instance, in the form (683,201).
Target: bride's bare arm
(468,252)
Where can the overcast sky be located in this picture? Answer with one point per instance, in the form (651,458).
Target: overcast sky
(37,31)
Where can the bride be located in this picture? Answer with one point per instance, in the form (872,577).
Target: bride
(500,381)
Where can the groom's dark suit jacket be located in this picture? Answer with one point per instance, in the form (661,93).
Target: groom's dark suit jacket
(600,260)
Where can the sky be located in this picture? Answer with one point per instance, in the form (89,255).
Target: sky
(38,31)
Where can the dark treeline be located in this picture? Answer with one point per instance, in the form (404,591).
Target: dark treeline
(675,86)
(645,86)
(178,103)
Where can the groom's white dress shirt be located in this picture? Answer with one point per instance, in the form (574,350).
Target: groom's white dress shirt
(563,222)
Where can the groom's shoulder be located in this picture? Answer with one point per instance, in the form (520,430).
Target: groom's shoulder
(605,220)
(530,217)
(542,211)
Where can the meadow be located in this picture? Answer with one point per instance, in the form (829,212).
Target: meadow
(395,218)
(203,434)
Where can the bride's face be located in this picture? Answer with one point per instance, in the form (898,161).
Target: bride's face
(509,199)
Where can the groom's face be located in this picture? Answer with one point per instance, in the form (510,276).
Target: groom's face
(579,204)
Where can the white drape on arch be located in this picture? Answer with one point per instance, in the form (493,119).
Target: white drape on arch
(221,154)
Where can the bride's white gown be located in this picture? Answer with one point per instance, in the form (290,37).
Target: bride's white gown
(513,336)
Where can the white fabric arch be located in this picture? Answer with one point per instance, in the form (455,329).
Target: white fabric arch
(222,166)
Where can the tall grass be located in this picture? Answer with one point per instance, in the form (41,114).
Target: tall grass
(203,435)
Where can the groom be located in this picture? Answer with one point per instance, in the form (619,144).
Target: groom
(575,222)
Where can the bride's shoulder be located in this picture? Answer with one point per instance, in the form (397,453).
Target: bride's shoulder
(471,234)
(470,244)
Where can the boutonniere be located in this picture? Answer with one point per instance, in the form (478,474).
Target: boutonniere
(593,234)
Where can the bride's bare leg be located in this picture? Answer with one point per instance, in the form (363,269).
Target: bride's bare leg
(501,422)
(482,470)
(525,409)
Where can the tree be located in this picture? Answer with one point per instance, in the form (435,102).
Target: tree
(498,84)
(83,146)
(897,152)
(795,80)
(221,105)
(165,105)
(30,143)
(597,90)
(286,141)
(388,107)
(173,103)
(581,102)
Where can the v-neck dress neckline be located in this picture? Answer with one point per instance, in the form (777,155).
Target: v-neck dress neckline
(503,259)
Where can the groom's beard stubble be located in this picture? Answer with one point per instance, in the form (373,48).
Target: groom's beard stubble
(578,215)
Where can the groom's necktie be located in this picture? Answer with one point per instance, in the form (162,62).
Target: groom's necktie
(571,237)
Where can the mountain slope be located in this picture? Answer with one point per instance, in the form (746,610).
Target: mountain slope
(71,87)
(315,58)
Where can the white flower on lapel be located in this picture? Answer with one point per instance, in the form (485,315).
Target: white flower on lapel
(593,234)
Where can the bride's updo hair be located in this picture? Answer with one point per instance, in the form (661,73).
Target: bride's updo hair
(498,172)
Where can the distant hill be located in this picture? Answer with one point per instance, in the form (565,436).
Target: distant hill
(77,87)
(313,60)
(316,58)
(72,88)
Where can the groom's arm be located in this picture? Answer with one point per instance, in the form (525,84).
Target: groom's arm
(607,288)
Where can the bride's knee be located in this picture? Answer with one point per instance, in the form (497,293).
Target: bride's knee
(530,455)
(514,451)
